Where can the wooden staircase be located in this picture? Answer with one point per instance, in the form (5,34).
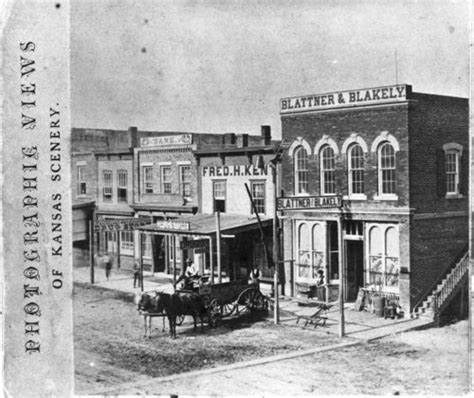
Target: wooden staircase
(439,299)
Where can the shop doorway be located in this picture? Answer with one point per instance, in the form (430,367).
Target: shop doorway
(354,268)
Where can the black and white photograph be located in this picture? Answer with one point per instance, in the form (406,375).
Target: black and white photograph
(263,198)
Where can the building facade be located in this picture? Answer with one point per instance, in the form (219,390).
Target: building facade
(374,181)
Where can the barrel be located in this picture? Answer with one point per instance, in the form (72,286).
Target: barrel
(378,305)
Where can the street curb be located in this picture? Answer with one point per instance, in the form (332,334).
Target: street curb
(224,368)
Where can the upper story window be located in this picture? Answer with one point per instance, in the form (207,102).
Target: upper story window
(219,195)
(81,180)
(165,172)
(185,181)
(301,170)
(386,169)
(328,171)
(258,196)
(355,163)
(107,186)
(147,179)
(122,181)
(449,177)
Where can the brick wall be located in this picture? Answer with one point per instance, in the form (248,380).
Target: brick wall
(368,124)
(90,175)
(435,245)
(435,121)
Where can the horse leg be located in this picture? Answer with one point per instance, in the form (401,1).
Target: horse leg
(149,327)
(195,322)
(144,318)
(164,324)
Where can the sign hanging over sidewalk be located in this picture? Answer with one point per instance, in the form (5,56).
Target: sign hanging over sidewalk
(308,202)
(121,224)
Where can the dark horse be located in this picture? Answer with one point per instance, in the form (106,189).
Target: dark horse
(147,305)
(181,304)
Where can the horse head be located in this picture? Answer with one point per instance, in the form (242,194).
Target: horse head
(144,302)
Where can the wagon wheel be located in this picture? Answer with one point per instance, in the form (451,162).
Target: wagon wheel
(228,309)
(179,320)
(214,313)
(251,300)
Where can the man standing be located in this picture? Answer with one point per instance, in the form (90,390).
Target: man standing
(136,274)
(108,264)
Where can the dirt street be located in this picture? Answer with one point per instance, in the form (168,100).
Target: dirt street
(113,357)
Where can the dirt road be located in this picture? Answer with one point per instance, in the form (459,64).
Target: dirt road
(112,357)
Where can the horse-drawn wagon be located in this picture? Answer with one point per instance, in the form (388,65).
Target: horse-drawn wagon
(226,299)
(201,299)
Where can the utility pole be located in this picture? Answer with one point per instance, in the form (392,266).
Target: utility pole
(341,276)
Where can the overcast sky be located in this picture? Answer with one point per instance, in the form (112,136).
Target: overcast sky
(215,66)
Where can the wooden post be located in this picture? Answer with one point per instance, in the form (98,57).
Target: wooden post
(276,262)
(218,239)
(173,237)
(140,245)
(211,260)
(118,249)
(341,278)
(91,249)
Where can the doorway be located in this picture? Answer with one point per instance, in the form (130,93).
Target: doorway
(354,268)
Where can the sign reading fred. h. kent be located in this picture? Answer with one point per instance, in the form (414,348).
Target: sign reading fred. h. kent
(340,99)
(238,170)
(308,202)
(169,140)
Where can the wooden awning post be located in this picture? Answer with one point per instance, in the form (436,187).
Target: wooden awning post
(211,259)
(341,277)
(141,259)
(91,250)
(218,240)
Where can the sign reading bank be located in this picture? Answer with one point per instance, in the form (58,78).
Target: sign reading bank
(343,99)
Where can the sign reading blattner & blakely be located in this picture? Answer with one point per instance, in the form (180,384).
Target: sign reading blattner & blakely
(308,202)
(340,99)
(168,140)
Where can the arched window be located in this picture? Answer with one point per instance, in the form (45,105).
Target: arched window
(301,170)
(386,169)
(328,170)
(355,160)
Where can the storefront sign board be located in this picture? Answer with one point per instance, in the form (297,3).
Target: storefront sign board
(308,202)
(169,140)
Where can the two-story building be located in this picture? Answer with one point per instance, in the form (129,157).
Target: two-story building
(375,184)
(234,241)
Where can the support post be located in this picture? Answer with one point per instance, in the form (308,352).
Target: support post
(276,262)
(218,238)
(91,250)
(173,237)
(341,278)
(140,245)
(211,259)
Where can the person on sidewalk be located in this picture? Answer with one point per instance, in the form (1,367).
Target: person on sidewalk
(107,260)
(136,274)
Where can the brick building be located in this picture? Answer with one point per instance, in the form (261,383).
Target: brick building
(375,181)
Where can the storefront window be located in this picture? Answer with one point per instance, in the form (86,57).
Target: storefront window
(318,250)
(126,243)
(304,252)
(384,256)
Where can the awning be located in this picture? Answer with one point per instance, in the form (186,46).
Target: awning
(205,224)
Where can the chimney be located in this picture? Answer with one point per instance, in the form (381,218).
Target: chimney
(266,135)
(133,133)
(242,140)
(228,139)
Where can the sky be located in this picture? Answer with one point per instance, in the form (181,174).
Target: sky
(222,66)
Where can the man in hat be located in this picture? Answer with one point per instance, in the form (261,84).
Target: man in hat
(192,272)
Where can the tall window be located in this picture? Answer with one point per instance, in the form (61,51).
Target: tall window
(126,242)
(328,171)
(185,181)
(356,169)
(258,196)
(301,170)
(81,180)
(122,186)
(219,194)
(165,179)
(452,171)
(386,162)
(384,256)
(107,186)
(148,179)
